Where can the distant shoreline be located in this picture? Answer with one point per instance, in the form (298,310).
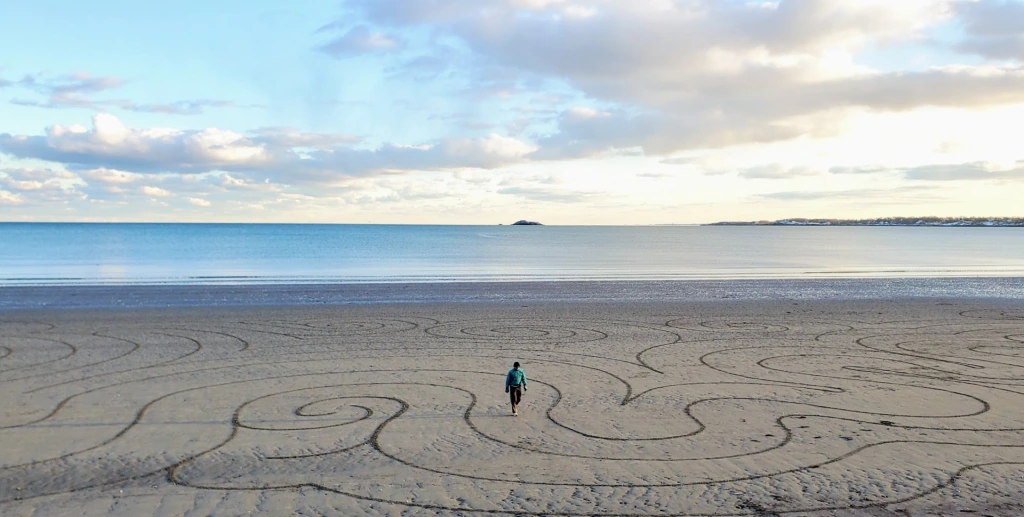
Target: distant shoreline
(983,222)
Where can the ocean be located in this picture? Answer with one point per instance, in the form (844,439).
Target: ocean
(211,254)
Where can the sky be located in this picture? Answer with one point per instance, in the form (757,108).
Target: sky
(490,111)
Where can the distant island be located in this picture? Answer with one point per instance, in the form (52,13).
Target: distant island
(887,221)
(524,222)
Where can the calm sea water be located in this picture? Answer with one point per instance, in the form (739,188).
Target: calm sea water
(41,253)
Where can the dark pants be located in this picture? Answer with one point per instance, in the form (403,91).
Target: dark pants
(515,393)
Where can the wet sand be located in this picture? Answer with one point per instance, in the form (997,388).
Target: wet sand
(186,295)
(634,407)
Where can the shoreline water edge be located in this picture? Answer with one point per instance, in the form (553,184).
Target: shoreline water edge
(163,296)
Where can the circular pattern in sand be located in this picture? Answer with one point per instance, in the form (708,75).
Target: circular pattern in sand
(312,329)
(516,331)
(21,328)
(995,314)
(729,326)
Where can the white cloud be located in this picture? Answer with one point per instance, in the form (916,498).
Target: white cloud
(967,171)
(31,186)
(110,176)
(859,169)
(229,182)
(196,201)
(287,156)
(9,198)
(109,144)
(777,171)
(156,191)
(22,186)
(287,137)
(38,174)
(548,194)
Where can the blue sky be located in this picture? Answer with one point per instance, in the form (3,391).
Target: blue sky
(251,53)
(487,111)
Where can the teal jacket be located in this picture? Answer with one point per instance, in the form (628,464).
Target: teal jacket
(515,378)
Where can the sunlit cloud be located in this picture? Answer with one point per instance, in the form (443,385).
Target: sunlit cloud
(285,155)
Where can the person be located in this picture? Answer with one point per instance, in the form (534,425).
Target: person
(515,385)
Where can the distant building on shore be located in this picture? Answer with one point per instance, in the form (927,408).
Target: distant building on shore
(887,221)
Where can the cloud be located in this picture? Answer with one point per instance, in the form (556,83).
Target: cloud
(439,190)
(9,198)
(108,185)
(73,91)
(422,67)
(156,191)
(546,194)
(966,171)
(109,144)
(36,185)
(285,156)
(584,132)
(488,152)
(291,137)
(67,88)
(110,176)
(856,194)
(37,174)
(20,185)
(777,171)
(993,28)
(359,40)
(682,160)
(194,107)
(231,183)
(465,121)
(706,73)
(943,171)
(103,185)
(196,201)
(765,117)
(859,169)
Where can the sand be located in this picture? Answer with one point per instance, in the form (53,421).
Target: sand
(869,407)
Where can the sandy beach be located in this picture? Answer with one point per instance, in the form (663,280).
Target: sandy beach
(717,407)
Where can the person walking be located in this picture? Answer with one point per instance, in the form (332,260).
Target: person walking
(515,385)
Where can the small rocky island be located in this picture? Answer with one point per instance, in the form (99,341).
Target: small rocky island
(524,222)
(887,221)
